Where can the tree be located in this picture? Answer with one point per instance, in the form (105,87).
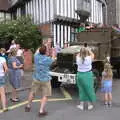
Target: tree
(23,31)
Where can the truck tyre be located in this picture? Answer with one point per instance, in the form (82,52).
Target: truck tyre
(97,81)
(55,83)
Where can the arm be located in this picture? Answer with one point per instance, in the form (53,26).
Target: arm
(91,54)
(22,53)
(77,58)
(103,78)
(5,67)
(15,66)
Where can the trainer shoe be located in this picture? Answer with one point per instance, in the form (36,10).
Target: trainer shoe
(81,107)
(90,107)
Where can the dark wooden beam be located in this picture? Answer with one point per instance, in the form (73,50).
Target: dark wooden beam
(66,21)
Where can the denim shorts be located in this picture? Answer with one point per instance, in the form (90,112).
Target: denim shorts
(2,81)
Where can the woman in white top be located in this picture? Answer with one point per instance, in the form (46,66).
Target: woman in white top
(13,45)
(20,55)
(85,82)
(3,70)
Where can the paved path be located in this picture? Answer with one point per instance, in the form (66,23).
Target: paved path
(60,108)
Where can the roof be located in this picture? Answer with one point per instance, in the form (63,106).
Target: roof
(4,5)
(17,3)
(71,49)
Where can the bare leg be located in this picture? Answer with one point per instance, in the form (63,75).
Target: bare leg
(110,98)
(43,103)
(30,98)
(106,98)
(3,97)
(22,76)
(14,94)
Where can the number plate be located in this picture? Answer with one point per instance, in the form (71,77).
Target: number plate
(67,78)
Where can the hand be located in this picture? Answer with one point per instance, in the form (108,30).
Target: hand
(77,54)
(21,66)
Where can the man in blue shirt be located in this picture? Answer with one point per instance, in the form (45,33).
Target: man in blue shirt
(41,80)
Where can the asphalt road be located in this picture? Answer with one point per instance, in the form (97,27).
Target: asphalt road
(62,106)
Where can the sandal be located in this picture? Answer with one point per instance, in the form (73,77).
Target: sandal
(15,100)
(5,109)
(42,114)
(27,109)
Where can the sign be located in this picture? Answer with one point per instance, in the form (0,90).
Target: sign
(67,78)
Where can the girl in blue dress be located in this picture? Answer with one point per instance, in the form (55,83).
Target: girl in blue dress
(107,76)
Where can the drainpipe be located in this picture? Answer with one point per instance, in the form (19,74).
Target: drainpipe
(106,11)
(106,15)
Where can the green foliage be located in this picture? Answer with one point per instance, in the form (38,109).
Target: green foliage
(22,31)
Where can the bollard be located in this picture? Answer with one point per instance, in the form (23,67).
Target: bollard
(28,64)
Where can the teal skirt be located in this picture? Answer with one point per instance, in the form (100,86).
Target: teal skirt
(85,84)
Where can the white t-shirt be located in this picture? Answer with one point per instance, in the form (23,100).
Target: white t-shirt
(2,61)
(13,46)
(84,66)
(19,52)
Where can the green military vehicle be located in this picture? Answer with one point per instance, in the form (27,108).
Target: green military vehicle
(102,41)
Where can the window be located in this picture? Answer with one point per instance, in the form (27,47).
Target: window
(23,10)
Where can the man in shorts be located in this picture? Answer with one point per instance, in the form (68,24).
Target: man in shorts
(41,80)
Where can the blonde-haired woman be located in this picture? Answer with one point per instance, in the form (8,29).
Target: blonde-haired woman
(85,82)
(14,67)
